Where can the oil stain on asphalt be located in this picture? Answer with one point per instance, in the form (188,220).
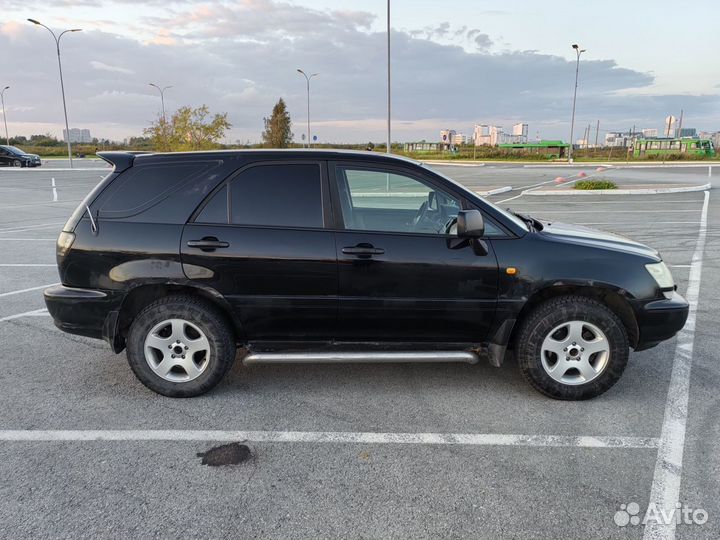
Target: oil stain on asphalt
(226,454)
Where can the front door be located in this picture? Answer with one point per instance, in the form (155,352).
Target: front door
(260,240)
(403,276)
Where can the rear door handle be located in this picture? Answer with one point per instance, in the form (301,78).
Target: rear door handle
(363,251)
(209,243)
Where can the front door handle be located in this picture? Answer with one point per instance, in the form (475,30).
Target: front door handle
(208,243)
(363,250)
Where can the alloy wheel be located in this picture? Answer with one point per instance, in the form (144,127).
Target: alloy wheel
(575,352)
(177,350)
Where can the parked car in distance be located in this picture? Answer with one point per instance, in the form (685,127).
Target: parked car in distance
(11,156)
(331,256)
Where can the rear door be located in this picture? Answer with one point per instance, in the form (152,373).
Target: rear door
(403,276)
(261,241)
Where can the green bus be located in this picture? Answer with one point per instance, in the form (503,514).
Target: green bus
(546,149)
(655,147)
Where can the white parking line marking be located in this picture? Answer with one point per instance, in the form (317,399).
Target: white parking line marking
(34,313)
(471,439)
(634,225)
(32,227)
(20,291)
(623,211)
(21,265)
(54,190)
(634,203)
(48,204)
(665,491)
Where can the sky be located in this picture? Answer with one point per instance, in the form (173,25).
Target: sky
(454,64)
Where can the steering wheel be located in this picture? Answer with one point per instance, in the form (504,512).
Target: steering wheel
(420,216)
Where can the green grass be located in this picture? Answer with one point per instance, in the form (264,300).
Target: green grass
(595,184)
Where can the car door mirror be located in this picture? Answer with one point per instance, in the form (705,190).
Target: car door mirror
(470,224)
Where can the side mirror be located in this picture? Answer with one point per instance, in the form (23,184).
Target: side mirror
(470,224)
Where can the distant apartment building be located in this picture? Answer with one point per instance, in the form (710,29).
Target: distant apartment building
(481,135)
(486,135)
(519,133)
(649,132)
(77,135)
(459,139)
(621,139)
(686,132)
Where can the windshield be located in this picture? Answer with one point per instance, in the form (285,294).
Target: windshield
(14,150)
(512,217)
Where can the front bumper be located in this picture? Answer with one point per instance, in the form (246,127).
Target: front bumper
(659,320)
(86,312)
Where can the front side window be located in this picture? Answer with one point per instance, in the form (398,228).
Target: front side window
(375,200)
(282,195)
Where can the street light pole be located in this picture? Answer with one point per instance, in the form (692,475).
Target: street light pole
(579,51)
(307,80)
(162,97)
(2,98)
(388,78)
(62,85)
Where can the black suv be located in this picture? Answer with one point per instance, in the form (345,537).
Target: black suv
(330,256)
(11,156)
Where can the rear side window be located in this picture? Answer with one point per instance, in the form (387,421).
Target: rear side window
(287,195)
(142,187)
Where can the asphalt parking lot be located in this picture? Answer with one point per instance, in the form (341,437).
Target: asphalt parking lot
(360,450)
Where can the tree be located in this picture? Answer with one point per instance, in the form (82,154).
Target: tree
(188,129)
(277,132)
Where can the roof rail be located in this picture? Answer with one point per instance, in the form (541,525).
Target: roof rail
(121,161)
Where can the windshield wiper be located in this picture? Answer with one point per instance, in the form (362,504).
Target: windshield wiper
(533,223)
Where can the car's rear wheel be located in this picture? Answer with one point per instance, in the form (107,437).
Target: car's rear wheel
(572,347)
(17,163)
(180,346)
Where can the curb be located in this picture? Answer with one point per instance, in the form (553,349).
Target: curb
(454,164)
(496,191)
(639,191)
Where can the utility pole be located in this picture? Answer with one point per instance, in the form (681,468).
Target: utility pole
(679,130)
(2,98)
(307,79)
(578,51)
(389,110)
(587,138)
(162,97)
(62,86)
(597,133)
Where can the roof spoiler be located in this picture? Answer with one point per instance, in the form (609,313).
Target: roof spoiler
(121,161)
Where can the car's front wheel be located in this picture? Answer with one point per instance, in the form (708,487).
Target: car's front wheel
(17,163)
(572,347)
(180,346)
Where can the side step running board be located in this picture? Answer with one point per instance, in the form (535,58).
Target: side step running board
(360,357)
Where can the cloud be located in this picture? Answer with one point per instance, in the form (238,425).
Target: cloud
(100,66)
(241,56)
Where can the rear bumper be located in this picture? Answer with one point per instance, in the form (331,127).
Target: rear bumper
(660,320)
(86,312)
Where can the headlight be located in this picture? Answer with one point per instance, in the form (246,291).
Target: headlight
(661,274)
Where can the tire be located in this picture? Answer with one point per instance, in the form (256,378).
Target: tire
(592,339)
(17,163)
(190,365)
